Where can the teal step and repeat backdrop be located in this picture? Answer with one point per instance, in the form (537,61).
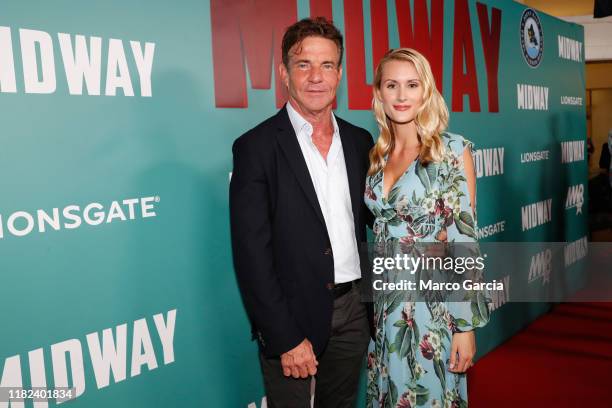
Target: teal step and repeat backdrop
(117,125)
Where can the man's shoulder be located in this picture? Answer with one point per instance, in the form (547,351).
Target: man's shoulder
(360,133)
(260,135)
(348,126)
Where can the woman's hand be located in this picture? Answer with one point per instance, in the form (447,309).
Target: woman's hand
(463,344)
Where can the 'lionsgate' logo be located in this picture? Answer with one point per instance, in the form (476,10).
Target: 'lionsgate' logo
(22,223)
(532,38)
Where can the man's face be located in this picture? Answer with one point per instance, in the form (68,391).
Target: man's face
(313,74)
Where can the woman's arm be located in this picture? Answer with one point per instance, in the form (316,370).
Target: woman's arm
(470,176)
(464,343)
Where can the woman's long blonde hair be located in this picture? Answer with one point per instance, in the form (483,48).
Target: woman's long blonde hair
(431,118)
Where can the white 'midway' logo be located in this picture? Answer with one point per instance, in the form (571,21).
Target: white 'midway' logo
(575,198)
(536,214)
(572,151)
(575,250)
(569,49)
(489,162)
(82,63)
(108,354)
(541,266)
(532,97)
(500,297)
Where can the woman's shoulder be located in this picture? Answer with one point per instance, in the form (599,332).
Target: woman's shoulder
(456,142)
(374,177)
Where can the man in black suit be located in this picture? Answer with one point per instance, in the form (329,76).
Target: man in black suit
(297,219)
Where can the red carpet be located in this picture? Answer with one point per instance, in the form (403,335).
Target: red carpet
(562,359)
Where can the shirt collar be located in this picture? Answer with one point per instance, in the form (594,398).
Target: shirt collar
(299,123)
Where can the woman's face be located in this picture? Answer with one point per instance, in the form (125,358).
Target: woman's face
(401,91)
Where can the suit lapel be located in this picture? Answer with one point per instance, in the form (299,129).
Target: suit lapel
(287,139)
(352,168)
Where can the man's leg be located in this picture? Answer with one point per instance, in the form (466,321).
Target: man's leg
(340,364)
(281,391)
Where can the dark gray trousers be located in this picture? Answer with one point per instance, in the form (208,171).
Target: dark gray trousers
(339,366)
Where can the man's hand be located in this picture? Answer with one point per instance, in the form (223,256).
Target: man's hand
(300,362)
(465,345)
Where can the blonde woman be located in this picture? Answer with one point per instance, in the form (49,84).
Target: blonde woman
(421,188)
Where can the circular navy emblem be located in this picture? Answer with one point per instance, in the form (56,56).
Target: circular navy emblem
(532,39)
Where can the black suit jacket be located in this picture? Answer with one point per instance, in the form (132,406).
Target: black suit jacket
(281,248)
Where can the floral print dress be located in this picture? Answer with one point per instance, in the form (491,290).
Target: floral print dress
(407,362)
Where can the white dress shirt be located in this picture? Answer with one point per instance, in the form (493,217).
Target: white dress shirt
(331,185)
